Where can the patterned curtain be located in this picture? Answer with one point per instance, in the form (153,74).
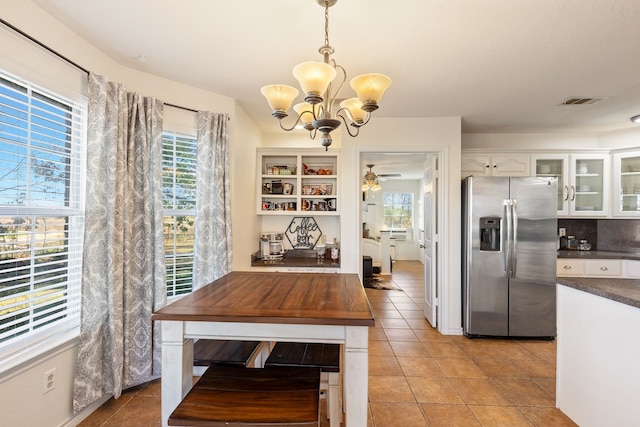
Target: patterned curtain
(123,275)
(213,205)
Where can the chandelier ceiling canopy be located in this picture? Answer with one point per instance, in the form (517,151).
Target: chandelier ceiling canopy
(317,81)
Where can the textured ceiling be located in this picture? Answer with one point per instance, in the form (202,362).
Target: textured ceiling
(501,65)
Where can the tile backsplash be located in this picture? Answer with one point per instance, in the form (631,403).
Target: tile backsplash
(617,235)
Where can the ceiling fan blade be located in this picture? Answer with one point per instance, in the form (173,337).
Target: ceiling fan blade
(387,175)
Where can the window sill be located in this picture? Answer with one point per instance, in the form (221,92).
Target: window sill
(25,358)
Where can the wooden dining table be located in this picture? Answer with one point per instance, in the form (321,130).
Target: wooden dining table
(271,307)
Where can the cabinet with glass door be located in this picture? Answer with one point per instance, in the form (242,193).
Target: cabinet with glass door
(583,181)
(554,165)
(626,184)
(589,184)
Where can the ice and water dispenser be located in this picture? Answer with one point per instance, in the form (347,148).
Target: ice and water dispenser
(490,234)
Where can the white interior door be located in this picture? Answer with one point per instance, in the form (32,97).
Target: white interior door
(430,241)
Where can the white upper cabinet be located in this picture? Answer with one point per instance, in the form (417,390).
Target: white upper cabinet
(626,184)
(495,164)
(589,185)
(550,165)
(583,182)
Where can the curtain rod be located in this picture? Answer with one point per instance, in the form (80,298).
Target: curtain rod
(64,58)
(44,46)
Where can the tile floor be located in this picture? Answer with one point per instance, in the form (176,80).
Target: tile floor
(418,377)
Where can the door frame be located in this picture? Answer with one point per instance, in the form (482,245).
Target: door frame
(442,254)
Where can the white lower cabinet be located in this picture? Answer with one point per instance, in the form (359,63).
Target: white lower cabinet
(598,374)
(569,267)
(631,269)
(603,268)
(591,268)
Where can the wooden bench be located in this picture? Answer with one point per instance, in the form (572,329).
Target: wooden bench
(237,353)
(229,395)
(323,356)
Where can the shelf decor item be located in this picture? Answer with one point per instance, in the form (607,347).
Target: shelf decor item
(303,232)
(324,169)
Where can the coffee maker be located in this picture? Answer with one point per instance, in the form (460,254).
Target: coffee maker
(271,246)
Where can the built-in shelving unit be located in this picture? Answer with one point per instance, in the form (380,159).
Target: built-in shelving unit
(297,182)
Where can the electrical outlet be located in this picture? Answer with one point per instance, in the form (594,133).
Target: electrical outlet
(49,380)
(562,231)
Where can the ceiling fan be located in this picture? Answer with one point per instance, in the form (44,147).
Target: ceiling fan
(370,181)
(370,175)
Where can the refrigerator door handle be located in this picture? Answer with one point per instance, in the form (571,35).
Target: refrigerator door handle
(506,237)
(514,238)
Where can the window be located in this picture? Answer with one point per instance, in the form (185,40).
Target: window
(398,210)
(41,213)
(179,203)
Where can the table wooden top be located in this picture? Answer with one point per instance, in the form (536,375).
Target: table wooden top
(269,297)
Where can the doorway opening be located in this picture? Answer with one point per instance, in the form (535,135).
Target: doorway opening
(400,217)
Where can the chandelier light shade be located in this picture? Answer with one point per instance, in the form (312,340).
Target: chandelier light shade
(314,78)
(306,112)
(353,107)
(279,98)
(320,89)
(370,88)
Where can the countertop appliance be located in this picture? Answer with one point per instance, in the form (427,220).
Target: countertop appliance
(509,256)
(271,246)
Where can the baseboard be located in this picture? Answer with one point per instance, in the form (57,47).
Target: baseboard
(82,415)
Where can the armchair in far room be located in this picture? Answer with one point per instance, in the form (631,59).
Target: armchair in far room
(379,251)
(371,248)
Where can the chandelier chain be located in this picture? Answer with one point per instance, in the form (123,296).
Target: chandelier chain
(326,23)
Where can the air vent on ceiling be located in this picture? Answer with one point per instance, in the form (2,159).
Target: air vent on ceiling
(581,101)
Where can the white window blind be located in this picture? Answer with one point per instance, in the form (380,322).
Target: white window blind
(41,212)
(179,203)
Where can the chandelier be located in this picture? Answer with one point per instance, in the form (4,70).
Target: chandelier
(370,180)
(318,112)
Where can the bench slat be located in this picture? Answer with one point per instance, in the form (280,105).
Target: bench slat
(206,352)
(324,356)
(228,395)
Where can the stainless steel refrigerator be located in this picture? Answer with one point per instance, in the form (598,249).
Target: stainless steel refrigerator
(509,256)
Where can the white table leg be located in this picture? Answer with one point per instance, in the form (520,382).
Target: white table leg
(356,375)
(177,367)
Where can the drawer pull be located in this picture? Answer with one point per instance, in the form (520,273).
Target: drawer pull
(567,267)
(603,268)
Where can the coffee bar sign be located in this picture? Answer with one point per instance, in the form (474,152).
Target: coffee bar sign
(303,232)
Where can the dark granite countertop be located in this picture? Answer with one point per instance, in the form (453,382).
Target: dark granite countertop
(296,259)
(625,291)
(598,255)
